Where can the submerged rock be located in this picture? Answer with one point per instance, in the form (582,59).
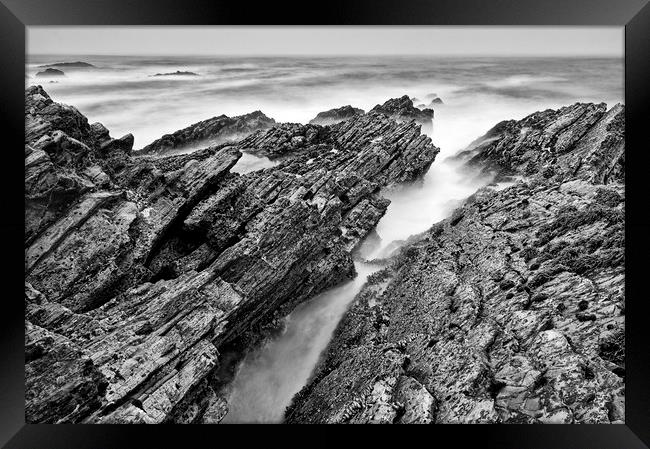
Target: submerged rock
(334,116)
(177,73)
(210,132)
(70,65)
(142,270)
(512,310)
(49,73)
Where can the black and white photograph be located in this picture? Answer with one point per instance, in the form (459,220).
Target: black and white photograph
(325,224)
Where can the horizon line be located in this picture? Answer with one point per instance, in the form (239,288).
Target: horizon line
(338,55)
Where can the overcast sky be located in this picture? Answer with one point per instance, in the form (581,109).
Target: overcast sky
(218,40)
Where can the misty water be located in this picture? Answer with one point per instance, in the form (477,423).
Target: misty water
(477,94)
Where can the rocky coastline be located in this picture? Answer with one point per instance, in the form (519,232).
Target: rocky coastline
(139,270)
(144,269)
(510,311)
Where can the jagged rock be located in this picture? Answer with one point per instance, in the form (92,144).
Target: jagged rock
(73,65)
(402,109)
(334,116)
(210,132)
(43,115)
(511,310)
(286,138)
(583,140)
(62,383)
(148,273)
(49,73)
(65,158)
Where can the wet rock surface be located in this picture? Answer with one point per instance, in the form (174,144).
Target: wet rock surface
(139,269)
(512,310)
(209,132)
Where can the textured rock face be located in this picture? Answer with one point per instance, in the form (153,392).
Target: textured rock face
(512,310)
(584,141)
(65,157)
(402,109)
(133,283)
(334,116)
(210,132)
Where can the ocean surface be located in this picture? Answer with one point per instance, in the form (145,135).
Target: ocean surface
(122,94)
(477,93)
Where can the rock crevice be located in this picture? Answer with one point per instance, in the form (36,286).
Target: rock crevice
(509,310)
(143,267)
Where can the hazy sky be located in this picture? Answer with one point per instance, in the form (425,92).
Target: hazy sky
(219,40)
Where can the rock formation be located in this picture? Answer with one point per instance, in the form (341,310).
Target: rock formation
(213,131)
(140,269)
(511,310)
(177,73)
(335,115)
(70,65)
(402,109)
(65,158)
(49,73)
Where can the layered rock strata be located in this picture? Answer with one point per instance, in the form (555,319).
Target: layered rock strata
(510,311)
(402,109)
(335,115)
(217,130)
(139,269)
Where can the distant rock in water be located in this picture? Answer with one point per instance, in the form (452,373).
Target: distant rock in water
(435,102)
(402,109)
(50,73)
(335,115)
(177,73)
(209,132)
(70,65)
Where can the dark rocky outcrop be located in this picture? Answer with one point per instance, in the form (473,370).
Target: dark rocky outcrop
(402,109)
(151,265)
(213,131)
(177,73)
(70,65)
(65,158)
(334,116)
(568,141)
(50,73)
(511,310)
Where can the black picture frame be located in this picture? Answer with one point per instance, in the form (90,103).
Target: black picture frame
(15,15)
